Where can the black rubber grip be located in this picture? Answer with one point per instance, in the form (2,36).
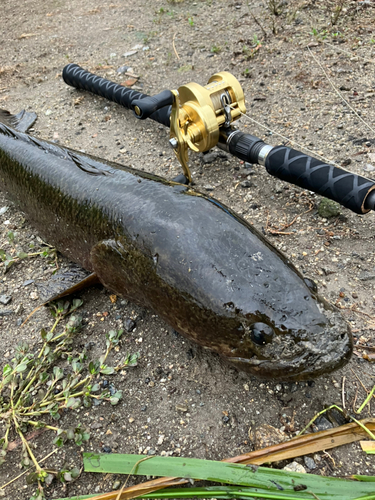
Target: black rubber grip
(149,105)
(350,190)
(79,78)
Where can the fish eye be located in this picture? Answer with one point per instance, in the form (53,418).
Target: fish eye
(311,285)
(261,334)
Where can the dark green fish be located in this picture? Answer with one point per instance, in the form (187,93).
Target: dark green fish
(197,264)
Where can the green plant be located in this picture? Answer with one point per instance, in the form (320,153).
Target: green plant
(190,21)
(322,35)
(250,480)
(14,255)
(256,40)
(275,7)
(337,11)
(42,384)
(216,49)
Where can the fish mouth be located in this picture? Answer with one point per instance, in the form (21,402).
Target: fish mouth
(312,359)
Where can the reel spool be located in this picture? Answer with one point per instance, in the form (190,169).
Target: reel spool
(199,112)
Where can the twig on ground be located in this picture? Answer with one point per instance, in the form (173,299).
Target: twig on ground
(280,230)
(27,470)
(174,46)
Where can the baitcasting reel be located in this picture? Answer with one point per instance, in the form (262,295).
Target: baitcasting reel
(197,113)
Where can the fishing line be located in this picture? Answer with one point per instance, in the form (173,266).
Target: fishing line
(289,140)
(337,92)
(351,54)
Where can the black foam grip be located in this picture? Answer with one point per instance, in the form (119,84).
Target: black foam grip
(79,78)
(350,190)
(149,105)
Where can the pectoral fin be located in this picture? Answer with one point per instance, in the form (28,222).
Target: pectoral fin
(66,282)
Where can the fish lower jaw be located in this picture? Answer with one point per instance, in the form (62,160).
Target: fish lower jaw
(306,368)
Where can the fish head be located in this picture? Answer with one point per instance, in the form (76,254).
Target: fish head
(301,339)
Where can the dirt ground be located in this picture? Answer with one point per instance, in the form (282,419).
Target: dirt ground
(181,400)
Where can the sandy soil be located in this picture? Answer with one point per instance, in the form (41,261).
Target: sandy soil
(181,400)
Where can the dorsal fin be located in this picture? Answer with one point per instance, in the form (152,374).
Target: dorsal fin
(21,121)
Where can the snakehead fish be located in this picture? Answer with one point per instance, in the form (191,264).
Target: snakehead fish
(202,268)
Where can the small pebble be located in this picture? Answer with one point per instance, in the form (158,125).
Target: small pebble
(309,462)
(209,158)
(6,312)
(294,467)
(129,325)
(246,184)
(130,53)
(27,282)
(5,299)
(182,408)
(323,424)
(366,276)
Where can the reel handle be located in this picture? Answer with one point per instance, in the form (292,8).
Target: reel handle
(145,107)
(77,77)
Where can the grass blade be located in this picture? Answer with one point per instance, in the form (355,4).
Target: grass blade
(264,479)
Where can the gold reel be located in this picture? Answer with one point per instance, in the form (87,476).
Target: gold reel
(199,112)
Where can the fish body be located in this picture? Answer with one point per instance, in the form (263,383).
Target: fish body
(198,265)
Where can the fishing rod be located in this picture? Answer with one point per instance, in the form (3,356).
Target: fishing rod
(201,117)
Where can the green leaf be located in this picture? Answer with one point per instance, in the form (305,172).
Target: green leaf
(94,367)
(22,255)
(70,433)
(87,402)
(77,366)
(58,441)
(32,478)
(58,373)
(107,370)
(266,481)
(133,359)
(7,370)
(81,435)
(115,398)
(43,377)
(73,403)
(21,367)
(8,263)
(76,304)
(2,254)
(10,235)
(54,411)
